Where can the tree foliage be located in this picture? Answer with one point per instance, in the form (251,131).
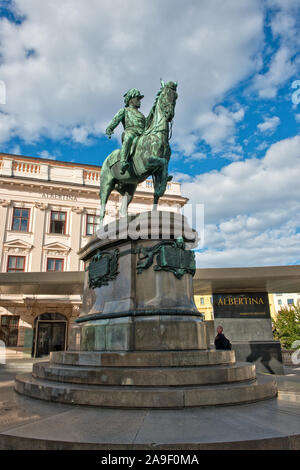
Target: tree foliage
(287,326)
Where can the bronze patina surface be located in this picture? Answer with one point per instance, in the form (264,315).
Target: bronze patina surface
(145,150)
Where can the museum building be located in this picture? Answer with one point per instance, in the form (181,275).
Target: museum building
(48,211)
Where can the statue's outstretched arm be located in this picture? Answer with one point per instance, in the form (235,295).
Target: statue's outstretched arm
(115,121)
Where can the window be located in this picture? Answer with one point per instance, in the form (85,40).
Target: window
(58,222)
(290,301)
(92,222)
(55,264)
(20,219)
(15,264)
(202,301)
(148,184)
(9,329)
(279,302)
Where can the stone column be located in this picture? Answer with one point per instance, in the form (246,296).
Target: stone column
(4,204)
(38,235)
(7,167)
(76,228)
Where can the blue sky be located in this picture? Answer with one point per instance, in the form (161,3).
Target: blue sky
(235,145)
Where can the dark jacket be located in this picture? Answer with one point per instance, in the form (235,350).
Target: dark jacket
(221,342)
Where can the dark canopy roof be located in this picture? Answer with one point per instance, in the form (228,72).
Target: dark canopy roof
(205,282)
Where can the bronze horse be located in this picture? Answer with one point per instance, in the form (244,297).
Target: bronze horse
(151,155)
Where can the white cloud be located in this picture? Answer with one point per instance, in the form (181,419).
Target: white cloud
(15,150)
(80,135)
(251,209)
(262,146)
(269,124)
(284,22)
(181,177)
(234,157)
(197,156)
(280,70)
(284,63)
(218,125)
(46,154)
(87,57)
(7,126)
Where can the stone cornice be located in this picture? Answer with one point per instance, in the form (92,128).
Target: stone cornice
(51,186)
(73,189)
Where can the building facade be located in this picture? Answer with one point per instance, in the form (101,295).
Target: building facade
(205,306)
(285,300)
(48,211)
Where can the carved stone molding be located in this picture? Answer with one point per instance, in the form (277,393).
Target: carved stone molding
(56,249)
(17,247)
(16,251)
(57,253)
(29,304)
(41,206)
(5,203)
(75,311)
(77,210)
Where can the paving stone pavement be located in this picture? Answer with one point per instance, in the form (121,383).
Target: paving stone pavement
(26,423)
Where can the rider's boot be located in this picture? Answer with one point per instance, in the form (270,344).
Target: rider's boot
(125,154)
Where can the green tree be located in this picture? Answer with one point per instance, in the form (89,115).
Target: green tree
(287,326)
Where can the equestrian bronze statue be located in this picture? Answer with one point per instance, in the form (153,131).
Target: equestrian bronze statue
(145,148)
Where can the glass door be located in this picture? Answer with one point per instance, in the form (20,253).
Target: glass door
(51,336)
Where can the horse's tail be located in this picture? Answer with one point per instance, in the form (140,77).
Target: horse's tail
(105,174)
(107,164)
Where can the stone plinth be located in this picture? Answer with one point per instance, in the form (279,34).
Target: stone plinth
(140,341)
(146,304)
(156,379)
(141,333)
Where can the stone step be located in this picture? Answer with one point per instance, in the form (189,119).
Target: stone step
(147,397)
(144,358)
(162,377)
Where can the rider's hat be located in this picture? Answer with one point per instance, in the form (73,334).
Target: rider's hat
(132,93)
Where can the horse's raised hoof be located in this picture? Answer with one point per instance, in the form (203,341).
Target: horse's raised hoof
(170,177)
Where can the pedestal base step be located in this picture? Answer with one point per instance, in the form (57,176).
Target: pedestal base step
(144,358)
(147,397)
(168,376)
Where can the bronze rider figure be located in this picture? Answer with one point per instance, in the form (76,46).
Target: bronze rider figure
(133,122)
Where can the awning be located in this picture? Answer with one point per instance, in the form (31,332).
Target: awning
(277,279)
(59,283)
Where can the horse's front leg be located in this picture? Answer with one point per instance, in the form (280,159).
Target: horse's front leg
(126,200)
(160,180)
(127,196)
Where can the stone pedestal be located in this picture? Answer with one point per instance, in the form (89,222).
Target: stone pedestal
(140,341)
(147,304)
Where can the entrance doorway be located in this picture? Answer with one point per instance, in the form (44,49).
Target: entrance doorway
(50,334)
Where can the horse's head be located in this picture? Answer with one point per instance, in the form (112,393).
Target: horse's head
(167,99)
